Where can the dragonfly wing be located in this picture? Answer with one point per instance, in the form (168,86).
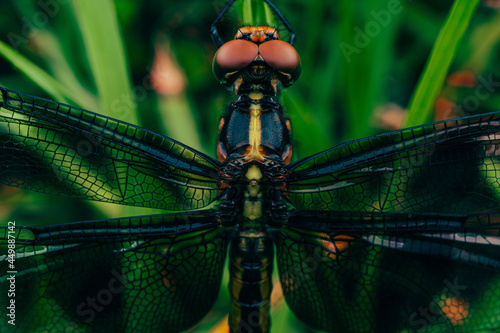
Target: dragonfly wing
(139,274)
(445,167)
(54,148)
(424,273)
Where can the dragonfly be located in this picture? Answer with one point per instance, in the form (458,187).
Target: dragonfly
(390,233)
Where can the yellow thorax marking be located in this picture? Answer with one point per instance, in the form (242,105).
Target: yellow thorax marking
(255,132)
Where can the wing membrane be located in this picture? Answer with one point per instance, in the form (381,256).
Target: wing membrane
(391,273)
(445,167)
(58,149)
(141,274)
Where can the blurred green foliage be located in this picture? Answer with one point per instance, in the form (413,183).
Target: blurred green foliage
(361,59)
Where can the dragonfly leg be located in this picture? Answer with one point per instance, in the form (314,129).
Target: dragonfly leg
(227,210)
(275,171)
(279,211)
(233,169)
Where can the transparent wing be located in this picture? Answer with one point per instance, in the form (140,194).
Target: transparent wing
(445,167)
(58,149)
(140,274)
(389,272)
(397,232)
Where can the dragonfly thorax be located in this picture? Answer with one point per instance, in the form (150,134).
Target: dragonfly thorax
(254,129)
(252,190)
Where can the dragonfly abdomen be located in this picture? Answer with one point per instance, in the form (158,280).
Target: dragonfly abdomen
(250,286)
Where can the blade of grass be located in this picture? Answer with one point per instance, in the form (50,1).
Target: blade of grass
(181,124)
(58,64)
(257,12)
(247,11)
(366,61)
(106,54)
(268,16)
(440,60)
(321,101)
(48,83)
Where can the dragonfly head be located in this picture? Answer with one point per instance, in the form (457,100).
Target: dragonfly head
(256,55)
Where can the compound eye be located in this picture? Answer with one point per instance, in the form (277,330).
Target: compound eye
(235,55)
(280,55)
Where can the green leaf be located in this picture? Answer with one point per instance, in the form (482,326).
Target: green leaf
(257,12)
(48,83)
(105,51)
(440,60)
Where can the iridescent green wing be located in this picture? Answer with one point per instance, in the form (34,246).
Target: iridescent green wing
(445,167)
(142,274)
(386,272)
(397,232)
(58,149)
